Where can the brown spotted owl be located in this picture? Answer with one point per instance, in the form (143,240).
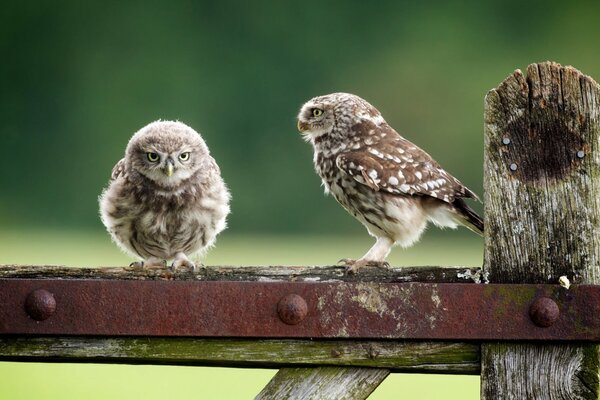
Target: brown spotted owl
(166,199)
(386,182)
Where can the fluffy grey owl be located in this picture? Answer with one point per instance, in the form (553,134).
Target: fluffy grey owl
(166,198)
(390,185)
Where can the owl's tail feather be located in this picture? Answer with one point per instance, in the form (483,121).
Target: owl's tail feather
(467,217)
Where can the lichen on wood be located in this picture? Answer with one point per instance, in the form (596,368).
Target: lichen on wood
(405,356)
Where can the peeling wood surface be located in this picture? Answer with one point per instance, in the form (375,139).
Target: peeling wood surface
(543,219)
(325,383)
(252,273)
(400,356)
(542,216)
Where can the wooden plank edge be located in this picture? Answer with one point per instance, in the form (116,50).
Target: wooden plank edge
(398,356)
(251,273)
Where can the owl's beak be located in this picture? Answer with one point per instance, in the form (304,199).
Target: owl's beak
(302,126)
(169,168)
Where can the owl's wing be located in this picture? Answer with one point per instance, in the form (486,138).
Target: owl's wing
(118,170)
(399,167)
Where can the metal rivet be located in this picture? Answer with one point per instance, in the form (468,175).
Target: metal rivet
(544,312)
(580,154)
(40,304)
(292,309)
(513,167)
(505,140)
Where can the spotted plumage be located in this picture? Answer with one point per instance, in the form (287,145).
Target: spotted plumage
(389,184)
(166,198)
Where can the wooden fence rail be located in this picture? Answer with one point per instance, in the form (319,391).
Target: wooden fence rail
(542,215)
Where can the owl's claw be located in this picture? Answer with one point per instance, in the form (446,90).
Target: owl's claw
(137,265)
(352,266)
(182,262)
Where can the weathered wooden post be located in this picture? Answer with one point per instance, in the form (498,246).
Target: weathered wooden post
(542,215)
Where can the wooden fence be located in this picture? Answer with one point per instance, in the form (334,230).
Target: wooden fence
(542,215)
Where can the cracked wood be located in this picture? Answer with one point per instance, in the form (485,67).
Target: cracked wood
(542,216)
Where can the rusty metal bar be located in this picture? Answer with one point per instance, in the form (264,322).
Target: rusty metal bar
(299,310)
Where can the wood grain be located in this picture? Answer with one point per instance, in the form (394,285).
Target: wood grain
(324,383)
(542,216)
(401,356)
(251,274)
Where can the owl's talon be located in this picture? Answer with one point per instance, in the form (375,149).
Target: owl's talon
(379,264)
(352,266)
(182,262)
(137,265)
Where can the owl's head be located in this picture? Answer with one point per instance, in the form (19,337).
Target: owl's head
(166,152)
(334,112)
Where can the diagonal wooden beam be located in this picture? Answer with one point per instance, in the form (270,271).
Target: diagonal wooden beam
(323,383)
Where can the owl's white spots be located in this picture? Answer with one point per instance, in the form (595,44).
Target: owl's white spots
(392,180)
(418,174)
(373,174)
(404,188)
(375,152)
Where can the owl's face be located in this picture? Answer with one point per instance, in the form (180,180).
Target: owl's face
(323,114)
(316,117)
(166,152)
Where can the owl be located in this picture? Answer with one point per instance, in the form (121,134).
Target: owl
(166,199)
(386,182)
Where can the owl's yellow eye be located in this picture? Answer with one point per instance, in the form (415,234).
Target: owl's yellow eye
(152,157)
(317,112)
(184,156)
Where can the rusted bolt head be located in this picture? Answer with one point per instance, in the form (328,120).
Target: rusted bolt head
(292,309)
(40,304)
(544,312)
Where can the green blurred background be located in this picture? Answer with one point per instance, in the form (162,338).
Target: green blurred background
(78,78)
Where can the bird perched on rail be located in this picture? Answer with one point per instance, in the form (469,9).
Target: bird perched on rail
(386,182)
(166,198)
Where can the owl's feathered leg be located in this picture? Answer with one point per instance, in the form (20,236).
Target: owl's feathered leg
(150,263)
(181,261)
(375,256)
